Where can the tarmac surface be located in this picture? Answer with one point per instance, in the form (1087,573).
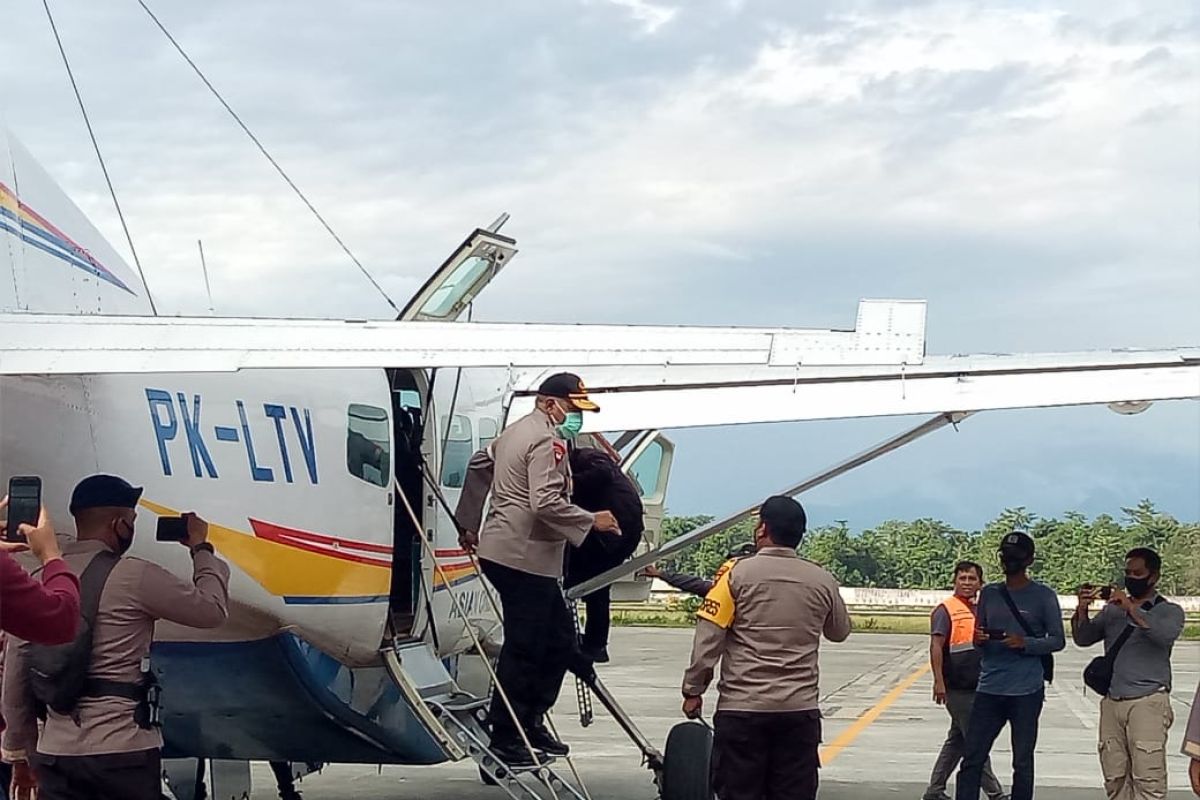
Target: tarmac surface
(882,731)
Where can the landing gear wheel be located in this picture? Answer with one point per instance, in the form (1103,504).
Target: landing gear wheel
(685,774)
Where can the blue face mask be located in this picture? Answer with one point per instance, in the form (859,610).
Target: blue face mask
(570,427)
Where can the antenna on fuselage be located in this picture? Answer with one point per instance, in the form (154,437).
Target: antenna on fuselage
(207,286)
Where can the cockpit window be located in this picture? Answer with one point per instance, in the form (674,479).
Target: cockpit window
(368,444)
(459,448)
(646,471)
(449,297)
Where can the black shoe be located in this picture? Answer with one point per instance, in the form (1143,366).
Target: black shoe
(516,754)
(543,740)
(597,655)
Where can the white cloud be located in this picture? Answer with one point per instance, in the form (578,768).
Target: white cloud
(651,16)
(1031,171)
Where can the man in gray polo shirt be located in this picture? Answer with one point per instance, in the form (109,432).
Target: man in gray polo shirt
(1136,714)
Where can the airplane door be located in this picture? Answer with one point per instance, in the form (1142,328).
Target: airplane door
(461,278)
(648,464)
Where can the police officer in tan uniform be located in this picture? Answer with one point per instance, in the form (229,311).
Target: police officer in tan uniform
(1191,743)
(763,621)
(521,546)
(106,748)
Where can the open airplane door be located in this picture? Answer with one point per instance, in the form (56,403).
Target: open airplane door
(461,278)
(648,463)
(448,293)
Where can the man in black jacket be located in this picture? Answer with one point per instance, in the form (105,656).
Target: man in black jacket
(600,485)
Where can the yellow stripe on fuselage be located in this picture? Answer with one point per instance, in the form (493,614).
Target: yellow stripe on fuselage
(290,572)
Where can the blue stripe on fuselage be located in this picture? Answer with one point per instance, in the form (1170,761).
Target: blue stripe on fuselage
(281,699)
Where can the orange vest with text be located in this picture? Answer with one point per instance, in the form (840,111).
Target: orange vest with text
(960,665)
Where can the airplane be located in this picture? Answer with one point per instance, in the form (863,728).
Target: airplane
(326,456)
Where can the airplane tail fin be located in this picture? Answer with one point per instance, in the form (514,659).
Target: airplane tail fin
(52,259)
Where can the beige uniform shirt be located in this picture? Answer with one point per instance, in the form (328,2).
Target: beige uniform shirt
(1191,737)
(763,621)
(531,518)
(137,594)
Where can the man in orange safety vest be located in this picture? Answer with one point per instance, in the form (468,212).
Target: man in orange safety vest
(955,665)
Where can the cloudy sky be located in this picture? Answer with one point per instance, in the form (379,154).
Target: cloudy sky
(1030,168)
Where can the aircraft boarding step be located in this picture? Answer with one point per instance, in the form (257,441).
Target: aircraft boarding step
(463,718)
(458,719)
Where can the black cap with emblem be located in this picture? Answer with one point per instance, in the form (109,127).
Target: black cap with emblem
(568,386)
(1018,543)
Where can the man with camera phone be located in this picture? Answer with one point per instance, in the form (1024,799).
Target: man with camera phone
(1019,627)
(97,694)
(954,662)
(1138,627)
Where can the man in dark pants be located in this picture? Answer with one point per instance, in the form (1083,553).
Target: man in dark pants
(763,621)
(600,484)
(1013,669)
(521,549)
(108,746)
(954,662)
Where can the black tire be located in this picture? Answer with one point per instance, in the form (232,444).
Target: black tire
(686,763)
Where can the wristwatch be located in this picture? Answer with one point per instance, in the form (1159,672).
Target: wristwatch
(205,546)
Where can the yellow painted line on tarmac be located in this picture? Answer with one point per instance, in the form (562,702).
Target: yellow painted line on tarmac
(831,751)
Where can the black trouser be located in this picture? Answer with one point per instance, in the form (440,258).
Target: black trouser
(766,755)
(539,647)
(598,605)
(988,716)
(113,776)
(595,627)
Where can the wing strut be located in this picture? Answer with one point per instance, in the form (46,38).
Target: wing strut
(700,534)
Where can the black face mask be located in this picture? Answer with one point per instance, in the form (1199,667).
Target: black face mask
(124,543)
(1013,564)
(1137,587)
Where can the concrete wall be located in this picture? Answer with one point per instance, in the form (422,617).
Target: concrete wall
(919,598)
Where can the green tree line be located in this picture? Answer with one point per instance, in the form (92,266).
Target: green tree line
(1071,549)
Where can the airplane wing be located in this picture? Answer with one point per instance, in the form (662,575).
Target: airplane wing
(644,398)
(888,332)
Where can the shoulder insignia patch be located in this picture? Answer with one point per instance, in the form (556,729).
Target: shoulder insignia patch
(560,451)
(717,606)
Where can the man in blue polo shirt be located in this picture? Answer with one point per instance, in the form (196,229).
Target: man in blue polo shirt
(1014,667)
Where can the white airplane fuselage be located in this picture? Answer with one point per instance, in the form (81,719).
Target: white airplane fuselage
(297,473)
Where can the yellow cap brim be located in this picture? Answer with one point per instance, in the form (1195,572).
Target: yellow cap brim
(583,403)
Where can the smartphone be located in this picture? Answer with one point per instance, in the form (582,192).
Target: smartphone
(171,529)
(995,633)
(1105,592)
(24,504)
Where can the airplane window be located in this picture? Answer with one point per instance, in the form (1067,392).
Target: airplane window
(443,302)
(645,469)
(458,451)
(368,444)
(489,429)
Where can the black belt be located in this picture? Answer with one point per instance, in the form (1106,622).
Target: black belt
(103,688)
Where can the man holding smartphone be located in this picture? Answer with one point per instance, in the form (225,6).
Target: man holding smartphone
(954,661)
(1019,626)
(1138,627)
(109,740)
(47,611)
